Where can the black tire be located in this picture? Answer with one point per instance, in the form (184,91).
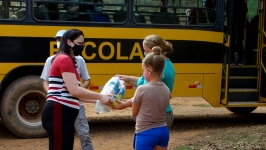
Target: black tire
(21,107)
(241,110)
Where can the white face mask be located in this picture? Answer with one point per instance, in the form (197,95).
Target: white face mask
(145,53)
(58,44)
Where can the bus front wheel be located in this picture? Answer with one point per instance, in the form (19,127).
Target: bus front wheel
(21,107)
(241,110)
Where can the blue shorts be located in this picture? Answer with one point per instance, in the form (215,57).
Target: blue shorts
(148,139)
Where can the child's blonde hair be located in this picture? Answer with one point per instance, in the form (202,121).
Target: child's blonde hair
(155,60)
(155,40)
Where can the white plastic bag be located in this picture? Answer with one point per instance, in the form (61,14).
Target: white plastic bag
(116,89)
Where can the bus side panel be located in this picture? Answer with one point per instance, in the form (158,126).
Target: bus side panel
(1,78)
(212,88)
(188,85)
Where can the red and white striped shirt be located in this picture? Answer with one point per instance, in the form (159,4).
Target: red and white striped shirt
(57,89)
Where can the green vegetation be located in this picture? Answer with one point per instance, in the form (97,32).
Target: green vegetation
(185,148)
(241,138)
(252,9)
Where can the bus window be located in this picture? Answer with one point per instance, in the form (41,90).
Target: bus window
(15,10)
(205,13)
(80,10)
(181,12)
(117,11)
(150,12)
(252,24)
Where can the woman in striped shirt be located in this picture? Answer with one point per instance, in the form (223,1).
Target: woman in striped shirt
(64,93)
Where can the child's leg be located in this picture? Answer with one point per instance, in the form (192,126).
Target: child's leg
(157,147)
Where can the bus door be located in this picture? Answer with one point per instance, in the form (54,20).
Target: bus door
(226,52)
(241,85)
(262,53)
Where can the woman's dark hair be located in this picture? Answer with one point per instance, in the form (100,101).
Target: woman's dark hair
(64,48)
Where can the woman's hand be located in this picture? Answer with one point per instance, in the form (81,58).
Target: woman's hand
(123,77)
(129,79)
(106,100)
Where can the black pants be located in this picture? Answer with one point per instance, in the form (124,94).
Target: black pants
(58,120)
(238,37)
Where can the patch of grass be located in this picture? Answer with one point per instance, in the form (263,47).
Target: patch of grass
(185,148)
(202,105)
(244,138)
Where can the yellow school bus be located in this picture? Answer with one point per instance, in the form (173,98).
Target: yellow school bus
(201,32)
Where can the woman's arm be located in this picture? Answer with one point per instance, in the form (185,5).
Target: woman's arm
(130,79)
(45,85)
(87,100)
(80,92)
(85,84)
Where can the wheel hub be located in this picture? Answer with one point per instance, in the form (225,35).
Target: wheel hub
(32,106)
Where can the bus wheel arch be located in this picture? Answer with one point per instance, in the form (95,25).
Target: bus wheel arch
(21,107)
(241,110)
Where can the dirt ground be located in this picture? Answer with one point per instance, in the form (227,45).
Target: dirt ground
(194,119)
